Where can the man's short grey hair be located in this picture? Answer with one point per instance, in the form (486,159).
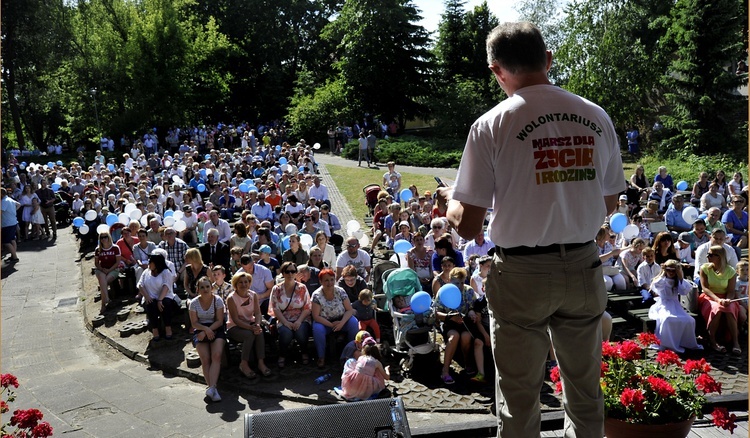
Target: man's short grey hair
(517,47)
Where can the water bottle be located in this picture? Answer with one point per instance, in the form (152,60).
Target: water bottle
(322,378)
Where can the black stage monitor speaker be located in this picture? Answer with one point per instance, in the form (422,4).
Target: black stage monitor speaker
(384,418)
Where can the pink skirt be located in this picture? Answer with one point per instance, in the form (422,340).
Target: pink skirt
(709,308)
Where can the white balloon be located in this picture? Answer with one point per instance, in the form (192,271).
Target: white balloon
(179,226)
(90,215)
(306,241)
(690,214)
(144,221)
(400,259)
(169,221)
(352,226)
(365,240)
(358,234)
(123,218)
(316,146)
(129,208)
(290,229)
(103,228)
(83,229)
(630,232)
(58,180)
(178,215)
(135,214)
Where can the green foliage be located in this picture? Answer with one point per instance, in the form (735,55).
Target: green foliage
(685,166)
(311,114)
(413,151)
(459,103)
(706,111)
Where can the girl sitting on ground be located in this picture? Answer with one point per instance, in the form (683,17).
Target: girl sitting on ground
(364,377)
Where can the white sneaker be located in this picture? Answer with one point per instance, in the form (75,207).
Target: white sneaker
(215,395)
(210,392)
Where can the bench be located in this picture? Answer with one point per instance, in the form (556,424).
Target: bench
(642,316)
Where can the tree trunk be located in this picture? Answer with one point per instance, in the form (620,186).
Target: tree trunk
(15,112)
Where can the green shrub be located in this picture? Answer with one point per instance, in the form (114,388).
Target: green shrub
(413,151)
(687,167)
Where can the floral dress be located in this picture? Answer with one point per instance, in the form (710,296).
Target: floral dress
(359,379)
(292,307)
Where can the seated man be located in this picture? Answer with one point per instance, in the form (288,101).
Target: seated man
(262,280)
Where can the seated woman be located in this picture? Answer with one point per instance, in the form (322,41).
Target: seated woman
(244,324)
(664,247)
(240,238)
(608,255)
(351,282)
(735,222)
(639,181)
(443,276)
(718,282)
(155,286)
(630,258)
(713,198)
(699,189)
(444,248)
(107,262)
(674,327)
(332,312)
(194,269)
(291,306)
(209,338)
(662,196)
(329,253)
(420,260)
(295,254)
(461,327)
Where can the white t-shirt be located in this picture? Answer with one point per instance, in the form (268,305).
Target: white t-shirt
(543,160)
(361,262)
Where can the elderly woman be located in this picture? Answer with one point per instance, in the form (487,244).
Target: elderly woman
(209,338)
(662,195)
(718,282)
(155,286)
(295,253)
(291,306)
(332,312)
(461,327)
(194,269)
(244,324)
(107,262)
(735,221)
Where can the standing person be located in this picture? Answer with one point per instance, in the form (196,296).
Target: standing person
(363,150)
(9,223)
(371,143)
(507,145)
(47,203)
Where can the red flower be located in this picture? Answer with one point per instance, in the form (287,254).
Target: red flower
(723,419)
(646,339)
(661,386)
(696,365)
(42,430)
(3,407)
(609,349)
(629,350)
(558,387)
(668,357)
(633,398)
(707,384)
(554,374)
(26,419)
(7,380)
(605,368)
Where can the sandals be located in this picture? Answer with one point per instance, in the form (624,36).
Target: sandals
(447,379)
(321,363)
(737,351)
(719,348)
(250,374)
(281,362)
(266,372)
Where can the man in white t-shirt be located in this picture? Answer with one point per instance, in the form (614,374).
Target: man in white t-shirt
(718,237)
(356,257)
(561,155)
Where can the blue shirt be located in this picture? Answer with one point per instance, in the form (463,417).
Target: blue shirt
(9,207)
(674,218)
(262,212)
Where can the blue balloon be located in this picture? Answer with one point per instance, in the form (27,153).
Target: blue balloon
(59,162)
(421,302)
(682,185)
(77,222)
(168,213)
(249,182)
(406,195)
(618,222)
(203,173)
(402,246)
(50,164)
(201,188)
(285,243)
(111,219)
(282,160)
(111,167)
(208,156)
(244,188)
(278,148)
(302,168)
(450,296)
(703,216)
(55,186)
(251,187)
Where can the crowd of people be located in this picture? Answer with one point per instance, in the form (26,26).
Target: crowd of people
(248,237)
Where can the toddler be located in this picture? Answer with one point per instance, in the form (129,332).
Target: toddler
(37,220)
(366,309)
(353,349)
(741,288)
(401,304)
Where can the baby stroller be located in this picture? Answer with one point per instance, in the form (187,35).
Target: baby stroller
(414,334)
(371,196)
(62,208)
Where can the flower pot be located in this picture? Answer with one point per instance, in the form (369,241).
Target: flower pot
(614,428)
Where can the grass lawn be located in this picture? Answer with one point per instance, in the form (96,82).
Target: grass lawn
(351,180)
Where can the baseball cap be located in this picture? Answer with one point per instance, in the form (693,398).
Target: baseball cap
(265,248)
(686,237)
(623,198)
(361,336)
